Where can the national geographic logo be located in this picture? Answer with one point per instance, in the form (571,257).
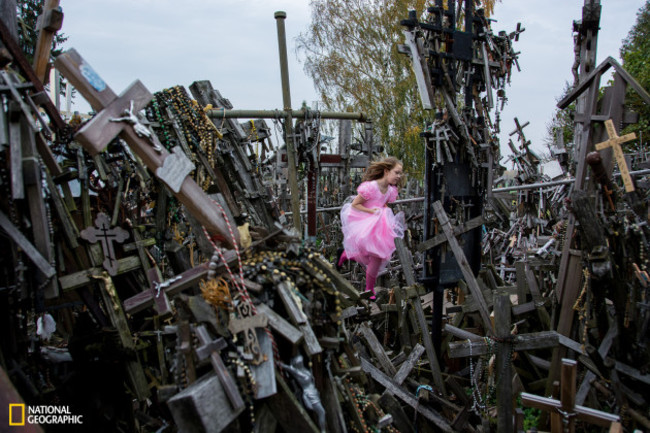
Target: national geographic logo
(41,415)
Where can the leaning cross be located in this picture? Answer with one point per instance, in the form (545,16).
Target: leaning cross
(103,233)
(474,288)
(566,408)
(615,143)
(172,169)
(210,348)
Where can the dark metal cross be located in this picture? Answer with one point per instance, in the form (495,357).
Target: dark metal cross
(103,233)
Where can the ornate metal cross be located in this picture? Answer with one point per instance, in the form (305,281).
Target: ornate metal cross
(103,233)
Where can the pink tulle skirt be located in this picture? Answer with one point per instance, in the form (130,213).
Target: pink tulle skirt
(368,235)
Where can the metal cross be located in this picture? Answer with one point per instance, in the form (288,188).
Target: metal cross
(104,234)
(131,118)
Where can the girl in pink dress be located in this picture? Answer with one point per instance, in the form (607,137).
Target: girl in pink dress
(369,225)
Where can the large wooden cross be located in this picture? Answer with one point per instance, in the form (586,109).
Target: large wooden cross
(565,410)
(506,344)
(615,143)
(103,128)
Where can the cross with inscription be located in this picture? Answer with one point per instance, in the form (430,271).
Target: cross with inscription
(615,143)
(103,233)
(103,128)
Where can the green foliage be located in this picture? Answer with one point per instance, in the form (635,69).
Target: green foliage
(635,53)
(531,415)
(561,122)
(27,12)
(351,54)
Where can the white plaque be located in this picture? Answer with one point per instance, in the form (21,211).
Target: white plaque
(175,168)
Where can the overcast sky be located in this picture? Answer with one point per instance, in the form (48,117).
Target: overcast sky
(233,43)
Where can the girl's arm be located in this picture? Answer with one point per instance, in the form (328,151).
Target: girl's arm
(358,202)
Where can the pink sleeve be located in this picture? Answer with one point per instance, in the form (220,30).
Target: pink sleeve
(392,193)
(365,190)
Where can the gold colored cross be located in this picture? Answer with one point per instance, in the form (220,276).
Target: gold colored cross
(615,143)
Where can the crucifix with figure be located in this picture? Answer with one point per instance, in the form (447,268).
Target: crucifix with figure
(117,115)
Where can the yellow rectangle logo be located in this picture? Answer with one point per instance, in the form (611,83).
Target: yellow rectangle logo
(22,414)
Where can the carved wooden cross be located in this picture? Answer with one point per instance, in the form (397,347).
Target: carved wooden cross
(210,348)
(615,143)
(103,233)
(101,130)
(566,410)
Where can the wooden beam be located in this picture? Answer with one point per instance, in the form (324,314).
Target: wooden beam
(49,22)
(405,396)
(534,340)
(82,278)
(25,68)
(30,250)
(474,288)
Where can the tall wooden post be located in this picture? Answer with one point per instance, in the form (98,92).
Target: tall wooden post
(280,16)
(504,389)
(568,284)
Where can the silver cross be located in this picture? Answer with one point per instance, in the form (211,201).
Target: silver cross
(130,117)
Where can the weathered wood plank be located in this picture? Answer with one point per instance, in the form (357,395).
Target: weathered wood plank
(474,288)
(428,345)
(82,278)
(441,238)
(310,341)
(118,318)
(377,349)
(15,153)
(408,365)
(289,412)
(30,250)
(405,396)
(605,345)
(280,325)
(406,260)
(295,313)
(341,283)
(534,340)
(37,210)
(504,367)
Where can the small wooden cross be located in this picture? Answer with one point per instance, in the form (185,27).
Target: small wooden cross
(210,348)
(615,143)
(97,133)
(566,410)
(103,233)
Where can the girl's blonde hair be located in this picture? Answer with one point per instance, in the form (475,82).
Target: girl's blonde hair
(376,169)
